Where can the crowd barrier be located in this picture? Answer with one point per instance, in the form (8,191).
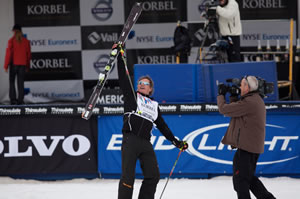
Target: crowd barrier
(53,142)
(206,155)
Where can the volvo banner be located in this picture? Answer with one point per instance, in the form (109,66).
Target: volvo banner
(206,153)
(48,145)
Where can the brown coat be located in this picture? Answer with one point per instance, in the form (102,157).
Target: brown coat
(247,125)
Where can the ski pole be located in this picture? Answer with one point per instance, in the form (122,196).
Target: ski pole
(127,71)
(171,172)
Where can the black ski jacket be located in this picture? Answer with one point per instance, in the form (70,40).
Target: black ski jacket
(133,121)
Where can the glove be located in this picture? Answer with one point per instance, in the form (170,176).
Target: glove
(115,46)
(182,145)
(222,89)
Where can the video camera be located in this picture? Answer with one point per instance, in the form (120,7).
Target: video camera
(211,13)
(233,85)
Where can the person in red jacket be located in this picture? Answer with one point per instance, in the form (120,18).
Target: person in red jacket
(17,59)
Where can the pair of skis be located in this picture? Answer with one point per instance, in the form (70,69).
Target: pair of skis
(131,20)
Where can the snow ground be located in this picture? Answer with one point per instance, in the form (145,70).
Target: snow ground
(215,188)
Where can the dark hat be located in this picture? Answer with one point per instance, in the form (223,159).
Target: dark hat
(17,27)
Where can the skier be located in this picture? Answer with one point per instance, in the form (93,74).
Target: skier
(141,113)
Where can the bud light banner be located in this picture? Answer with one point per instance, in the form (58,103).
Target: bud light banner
(48,145)
(206,154)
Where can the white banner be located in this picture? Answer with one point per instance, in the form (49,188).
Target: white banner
(94,61)
(49,39)
(145,36)
(51,91)
(95,12)
(264,30)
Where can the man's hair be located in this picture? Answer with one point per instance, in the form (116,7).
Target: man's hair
(151,82)
(252,83)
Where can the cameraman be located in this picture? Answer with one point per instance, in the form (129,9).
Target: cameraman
(230,27)
(246,132)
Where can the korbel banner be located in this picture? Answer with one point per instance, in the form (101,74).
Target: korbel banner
(47,13)
(206,153)
(249,9)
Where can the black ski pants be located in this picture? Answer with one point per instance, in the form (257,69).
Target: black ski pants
(244,179)
(19,72)
(137,148)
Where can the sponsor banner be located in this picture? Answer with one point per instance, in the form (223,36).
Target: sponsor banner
(268,9)
(111,96)
(151,56)
(100,37)
(196,9)
(55,39)
(48,145)
(111,103)
(168,108)
(107,95)
(145,36)
(4,111)
(51,91)
(253,31)
(102,12)
(55,66)
(31,13)
(94,61)
(264,30)
(206,153)
(155,11)
(249,9)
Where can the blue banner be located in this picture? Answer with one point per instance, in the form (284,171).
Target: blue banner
(199,82)
(218,73)
(206,153)
(183,77)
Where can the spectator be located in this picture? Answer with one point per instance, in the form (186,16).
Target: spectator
(182,43)
(230,27)
(17,59)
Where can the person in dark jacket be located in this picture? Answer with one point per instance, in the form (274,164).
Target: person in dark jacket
(182,43)
(246,132)
(17,59)
(141,113)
